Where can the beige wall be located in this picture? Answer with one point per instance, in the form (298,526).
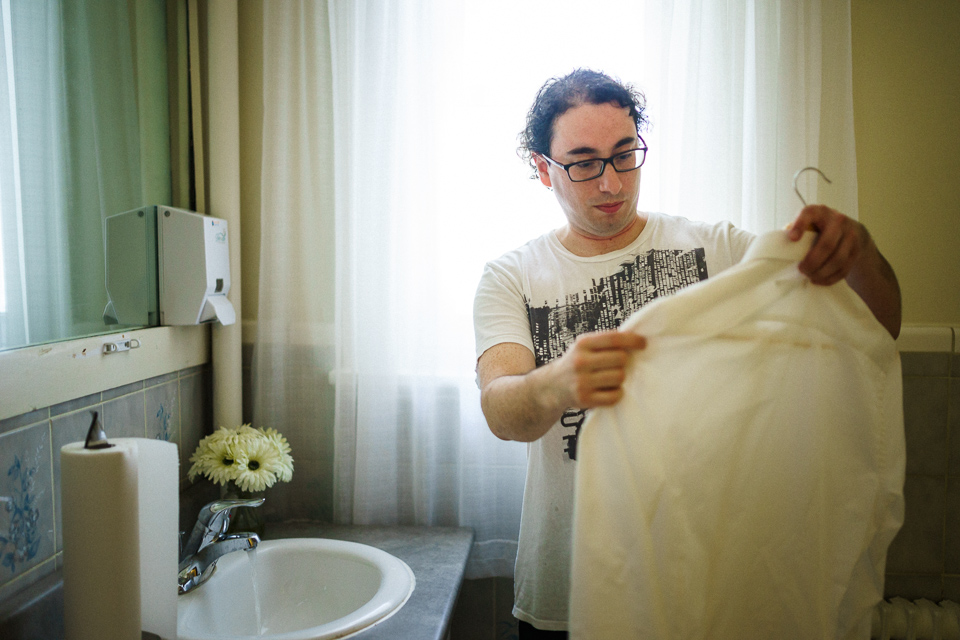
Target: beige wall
(906,92)
(906,67)
(251,127)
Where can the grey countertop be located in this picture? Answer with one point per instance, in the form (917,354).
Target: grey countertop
(437,556)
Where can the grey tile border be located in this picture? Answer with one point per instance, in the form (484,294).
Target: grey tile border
(192,371)
(158,380)
(24,419)
(75,404)
(116,392)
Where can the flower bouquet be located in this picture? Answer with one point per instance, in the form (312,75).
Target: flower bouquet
(245,462)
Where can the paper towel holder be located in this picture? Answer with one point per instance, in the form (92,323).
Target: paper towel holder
(96,436)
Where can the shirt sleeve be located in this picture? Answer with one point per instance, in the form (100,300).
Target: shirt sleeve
(500,309)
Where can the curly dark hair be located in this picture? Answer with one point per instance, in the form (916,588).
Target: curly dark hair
(557,95)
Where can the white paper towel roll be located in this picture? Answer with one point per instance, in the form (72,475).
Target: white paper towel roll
(120,516)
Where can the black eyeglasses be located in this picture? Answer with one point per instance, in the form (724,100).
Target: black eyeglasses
(584,170)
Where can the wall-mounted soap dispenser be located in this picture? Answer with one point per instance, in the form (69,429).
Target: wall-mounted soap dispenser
(167,264)
(194,260)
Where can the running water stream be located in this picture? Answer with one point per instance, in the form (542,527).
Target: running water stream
(252,561)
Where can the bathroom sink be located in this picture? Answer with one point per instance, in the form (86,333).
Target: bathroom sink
(296,589)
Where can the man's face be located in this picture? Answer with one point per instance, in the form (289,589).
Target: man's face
(604,206)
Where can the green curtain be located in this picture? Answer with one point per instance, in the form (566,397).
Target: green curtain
(91,126)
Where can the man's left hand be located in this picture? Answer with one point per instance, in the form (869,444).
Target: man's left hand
(839,244)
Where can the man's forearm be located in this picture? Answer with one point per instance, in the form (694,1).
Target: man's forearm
(876,283)
(521,407)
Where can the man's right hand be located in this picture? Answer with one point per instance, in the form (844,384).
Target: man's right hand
(521,402)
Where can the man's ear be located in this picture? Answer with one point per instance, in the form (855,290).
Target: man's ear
(542,170)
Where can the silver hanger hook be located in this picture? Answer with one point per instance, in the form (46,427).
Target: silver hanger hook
(797,175)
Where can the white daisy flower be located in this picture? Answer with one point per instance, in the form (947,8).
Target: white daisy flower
(262,464)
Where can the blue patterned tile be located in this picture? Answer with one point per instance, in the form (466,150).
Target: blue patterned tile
(72,427)
(162,407)
(26,501)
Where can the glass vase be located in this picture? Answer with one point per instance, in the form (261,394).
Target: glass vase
(244,519)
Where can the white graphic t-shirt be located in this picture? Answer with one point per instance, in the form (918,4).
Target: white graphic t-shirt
(543,296)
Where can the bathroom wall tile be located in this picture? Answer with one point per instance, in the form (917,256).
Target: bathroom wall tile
(953,410)
(68,428)
(951,559)
(918,547)
(116,392)
(22,420)
(925,403)
(506,624)
(162,408)
(913,587)
(24,581)
(473,615)
(27,522)
(195,416)
(951,588)
(918,363)
(308,495)
(75,405)
(125,417)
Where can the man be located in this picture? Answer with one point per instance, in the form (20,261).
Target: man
(545,314)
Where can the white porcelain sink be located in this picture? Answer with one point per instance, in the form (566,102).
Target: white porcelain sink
(296,589)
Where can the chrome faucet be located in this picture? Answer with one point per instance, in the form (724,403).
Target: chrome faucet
(209,541)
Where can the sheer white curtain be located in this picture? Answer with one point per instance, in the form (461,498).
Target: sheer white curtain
(427,98)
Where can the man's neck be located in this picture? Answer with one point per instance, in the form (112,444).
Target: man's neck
(587,246)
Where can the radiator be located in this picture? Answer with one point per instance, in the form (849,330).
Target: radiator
(900,619)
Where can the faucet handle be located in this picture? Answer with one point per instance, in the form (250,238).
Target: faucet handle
(218,506)
(213,522)
(215,516)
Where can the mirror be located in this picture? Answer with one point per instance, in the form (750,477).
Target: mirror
(90,102)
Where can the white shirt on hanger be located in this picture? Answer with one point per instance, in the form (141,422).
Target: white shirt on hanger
(750,481)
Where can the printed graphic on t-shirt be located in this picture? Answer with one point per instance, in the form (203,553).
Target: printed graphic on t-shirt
(605,305)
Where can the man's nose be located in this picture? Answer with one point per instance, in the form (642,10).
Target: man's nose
(610,180)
